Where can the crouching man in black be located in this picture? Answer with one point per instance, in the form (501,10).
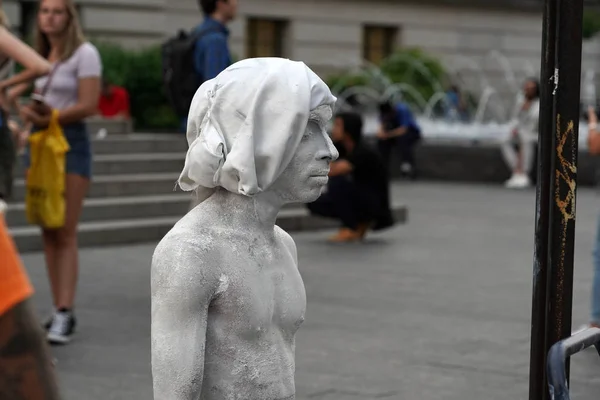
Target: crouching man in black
(358,189)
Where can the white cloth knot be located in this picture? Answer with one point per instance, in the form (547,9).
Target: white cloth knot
(245,125)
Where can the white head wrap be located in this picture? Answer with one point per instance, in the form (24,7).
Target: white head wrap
(245,125)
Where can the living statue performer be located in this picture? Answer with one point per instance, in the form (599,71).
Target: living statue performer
(227,297)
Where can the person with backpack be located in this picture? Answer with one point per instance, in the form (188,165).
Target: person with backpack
(191,59)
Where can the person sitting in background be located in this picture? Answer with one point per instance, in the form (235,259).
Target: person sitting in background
(358,189)
(114,101)
(398,129)
(457,107)
(524,131)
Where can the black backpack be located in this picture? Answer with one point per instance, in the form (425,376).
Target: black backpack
(180,78)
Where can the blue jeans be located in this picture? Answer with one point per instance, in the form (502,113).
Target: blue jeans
(79,156)
(183,125)
(595,315)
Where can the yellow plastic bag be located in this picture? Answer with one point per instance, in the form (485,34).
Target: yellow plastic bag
(44,199)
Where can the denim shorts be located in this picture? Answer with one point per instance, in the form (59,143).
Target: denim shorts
(79,156)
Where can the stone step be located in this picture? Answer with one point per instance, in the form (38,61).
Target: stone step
(140,143)
(101,233)
(141,230)
(119,185)
(116,208)
(134,163)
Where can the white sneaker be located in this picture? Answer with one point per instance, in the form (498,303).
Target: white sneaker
(518,181)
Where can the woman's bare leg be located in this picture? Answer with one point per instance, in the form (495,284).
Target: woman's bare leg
(67,248)
(49,238)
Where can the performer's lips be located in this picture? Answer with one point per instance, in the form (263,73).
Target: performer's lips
(320,174)
(320,179)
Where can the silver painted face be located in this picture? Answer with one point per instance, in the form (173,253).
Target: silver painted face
(306,176)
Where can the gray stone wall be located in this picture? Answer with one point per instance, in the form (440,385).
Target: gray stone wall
(327,34)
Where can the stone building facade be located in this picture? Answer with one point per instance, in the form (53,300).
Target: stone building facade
(331,35)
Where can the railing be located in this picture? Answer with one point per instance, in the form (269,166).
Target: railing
(560,353)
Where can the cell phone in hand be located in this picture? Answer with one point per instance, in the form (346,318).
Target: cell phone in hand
(39,104)
(37,98)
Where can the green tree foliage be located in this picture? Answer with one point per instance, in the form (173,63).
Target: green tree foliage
(591,23)
(416,68)
(411,66)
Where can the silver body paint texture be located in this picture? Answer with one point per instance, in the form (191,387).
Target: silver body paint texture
(227,295)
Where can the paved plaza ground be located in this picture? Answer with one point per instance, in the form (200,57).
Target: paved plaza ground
(438,308)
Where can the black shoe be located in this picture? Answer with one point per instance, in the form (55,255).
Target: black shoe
(48,322)
(384,222)
(62,328)
(413,176)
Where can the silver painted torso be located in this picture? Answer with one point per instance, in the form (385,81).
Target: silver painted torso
(256,305)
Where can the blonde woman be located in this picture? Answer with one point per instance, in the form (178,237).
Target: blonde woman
(12,49)
(73,88)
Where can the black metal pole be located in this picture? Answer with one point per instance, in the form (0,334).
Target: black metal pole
(555,206)
(537,364)
(567,83)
